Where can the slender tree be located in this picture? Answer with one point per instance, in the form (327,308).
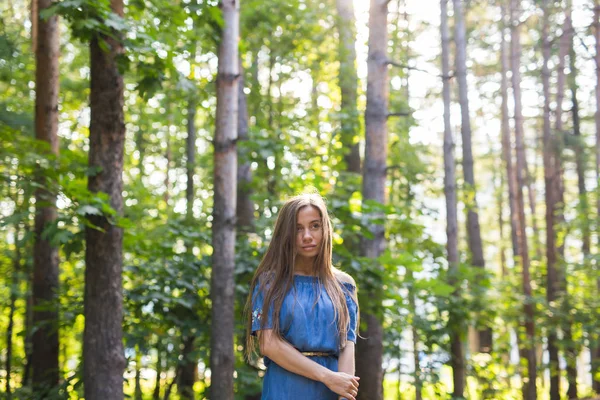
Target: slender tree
(45,255)
(551,179)
(456,347)
(507,145)
(103,354)
(348,80)
(245,205)
(528,345)
(369,352)
(596,26)
(223,228)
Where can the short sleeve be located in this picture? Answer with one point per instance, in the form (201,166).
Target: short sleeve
(257,311)
(349,292)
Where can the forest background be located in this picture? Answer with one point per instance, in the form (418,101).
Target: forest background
(147,146)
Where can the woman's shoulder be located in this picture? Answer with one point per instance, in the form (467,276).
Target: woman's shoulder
(343,277)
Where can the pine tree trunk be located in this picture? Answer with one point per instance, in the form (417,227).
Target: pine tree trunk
(245,205)
(103,354)
(507,146)
(473,227)
(45,256)
(596,26)
(456,347)
(567,321)
(190,152)
(348,80)
(138,395)
(159,353)
(528,345)
(369,351)
(188,370)
(551,195)
(223,228)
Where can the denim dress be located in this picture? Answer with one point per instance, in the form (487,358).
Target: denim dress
(307,327)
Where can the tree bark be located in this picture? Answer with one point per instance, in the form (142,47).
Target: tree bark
(223,228)
(348,81)
(45,256)
(138,394)
(507,145)
(596,26)
(473,227)
(103,355)
(456,347)
(245,205)
(159,352)
(369,351)
(188,369)
(528,349)
(551,177)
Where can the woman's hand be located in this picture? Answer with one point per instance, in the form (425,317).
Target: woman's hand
(343,384)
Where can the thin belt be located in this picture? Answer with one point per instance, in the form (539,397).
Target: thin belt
(317,354)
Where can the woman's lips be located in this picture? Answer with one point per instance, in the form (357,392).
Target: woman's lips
(309,247)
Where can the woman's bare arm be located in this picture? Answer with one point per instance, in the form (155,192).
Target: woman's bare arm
(288,357)
(346,359)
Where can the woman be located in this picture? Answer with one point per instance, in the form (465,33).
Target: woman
(302,310)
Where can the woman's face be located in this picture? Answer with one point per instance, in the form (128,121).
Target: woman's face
(309,234)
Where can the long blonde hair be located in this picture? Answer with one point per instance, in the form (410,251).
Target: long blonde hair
(275,273)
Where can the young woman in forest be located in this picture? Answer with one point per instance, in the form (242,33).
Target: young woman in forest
(302,310)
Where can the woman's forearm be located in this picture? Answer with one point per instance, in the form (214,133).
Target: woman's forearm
(346,359)
(287,356)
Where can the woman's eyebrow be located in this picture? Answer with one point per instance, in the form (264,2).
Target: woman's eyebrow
(314,220)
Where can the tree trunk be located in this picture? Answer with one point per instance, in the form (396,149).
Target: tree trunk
(551,176)
(45,256)
(528,346)
(570,348)
(34,25)
(348,80)
(188,369)
(528,349)
(103,355)
(159,352)
(456,347)
(189,366)
(245,205)
(596,23)
(369,351)
(138,395)
(473,227)
(507,145)
(223,228)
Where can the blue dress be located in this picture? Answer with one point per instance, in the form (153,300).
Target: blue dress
(307,328)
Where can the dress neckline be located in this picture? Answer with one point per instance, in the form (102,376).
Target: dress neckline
(305,278)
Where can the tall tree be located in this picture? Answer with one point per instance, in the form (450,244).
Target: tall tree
(103,355)
(507,146)
(456,347)
(45,256)
(348,79)
(369,352)
(223,228)
(245,205)
(473,227)
(551,179)
(189,365)
(528,345)
(596,26)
